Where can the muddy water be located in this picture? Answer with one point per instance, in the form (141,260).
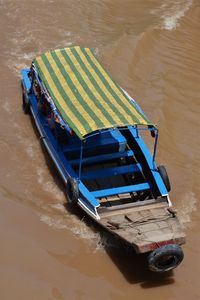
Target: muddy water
(151,48)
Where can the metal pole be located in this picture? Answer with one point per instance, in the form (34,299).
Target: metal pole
(80,161)
(137,134)
(155,147)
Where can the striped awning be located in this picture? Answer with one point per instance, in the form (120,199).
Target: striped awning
(83,92)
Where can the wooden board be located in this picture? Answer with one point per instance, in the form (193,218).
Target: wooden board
(144,227)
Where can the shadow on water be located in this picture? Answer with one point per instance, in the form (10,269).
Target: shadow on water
(133,266)
(135,269)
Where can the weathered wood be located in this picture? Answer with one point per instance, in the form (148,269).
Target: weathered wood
(127,208)
(144,227)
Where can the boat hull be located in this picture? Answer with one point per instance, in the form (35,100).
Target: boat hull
(146,225)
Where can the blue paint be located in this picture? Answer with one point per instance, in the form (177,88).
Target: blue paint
(105,146)
(121,190)
(102,158)
(88,195)
(109,172)
(149,161)
(53,148)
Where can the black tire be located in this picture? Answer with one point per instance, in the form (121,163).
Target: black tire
(163,173)
(72,190)
(25,101)
(165,258)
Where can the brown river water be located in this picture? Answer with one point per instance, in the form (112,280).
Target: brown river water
(152,48)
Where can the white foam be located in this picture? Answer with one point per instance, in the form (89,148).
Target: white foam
(187,206)
(7,106)
(53,222)
(79,228)
(62,220)
(19,59)
(59,207)
(75,225)
(30,149)
(29,146)
(171,22)
(48,185)
(171,12)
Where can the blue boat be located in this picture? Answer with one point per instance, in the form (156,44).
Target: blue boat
(92,130)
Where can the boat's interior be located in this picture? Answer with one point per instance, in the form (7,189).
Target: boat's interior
(109,168)
(113,166)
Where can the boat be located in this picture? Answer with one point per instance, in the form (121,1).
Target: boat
(94,132)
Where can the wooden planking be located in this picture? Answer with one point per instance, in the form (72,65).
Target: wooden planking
(107,212)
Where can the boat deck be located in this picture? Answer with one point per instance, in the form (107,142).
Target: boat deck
(145,227)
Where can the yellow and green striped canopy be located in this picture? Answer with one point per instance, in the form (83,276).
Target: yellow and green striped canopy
(83,92)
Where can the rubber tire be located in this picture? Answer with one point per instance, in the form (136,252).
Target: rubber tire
(25,103)
(72,190)
(163,173)
(165,258)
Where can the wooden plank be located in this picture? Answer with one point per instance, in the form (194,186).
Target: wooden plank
(124,196)
(126,209)
(103,200)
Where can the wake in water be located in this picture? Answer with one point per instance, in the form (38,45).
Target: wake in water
(187,207)
(171,12)
(79,229)
(25,45)
(57,217)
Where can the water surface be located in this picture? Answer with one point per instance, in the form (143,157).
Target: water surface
(151,48)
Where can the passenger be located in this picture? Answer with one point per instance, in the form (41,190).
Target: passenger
(60,131)
(37,89)
(56,119)
(51,121)
(71,132)
(43,106)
